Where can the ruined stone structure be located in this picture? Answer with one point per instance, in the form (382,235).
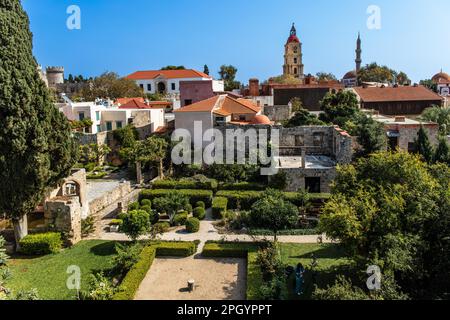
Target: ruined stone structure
(55,76)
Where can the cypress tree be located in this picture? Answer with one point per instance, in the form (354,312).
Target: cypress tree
(442,153)
(206,70)
(37,149)
(423,145)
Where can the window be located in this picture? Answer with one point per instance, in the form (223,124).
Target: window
(99,128)
(108,125)
(295,60)
(295,70)
(299,141)
(149,87)
(118,124)
(70,189)
(187,102)
(142,86)
(97,115)
(318,139)
(312,185)
(173,86)
(412,147)
(81,116)
(242,118)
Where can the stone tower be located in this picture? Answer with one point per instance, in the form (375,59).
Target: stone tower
(55,76)
(293,56)
(358,54)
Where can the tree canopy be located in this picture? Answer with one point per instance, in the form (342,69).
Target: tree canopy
(439,115)
(383,74)
(37,149)
(228,74)
(325,76)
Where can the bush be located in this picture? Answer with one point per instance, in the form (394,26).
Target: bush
(200,204)
(162,226)
(243,186)
(116,222)
(193,195)
(100,288)
(147,209)
(136,224)
(146,202)
(175,249)
(188,208)
(192,225)
(180,219)
(219,207)
(130,284)
(41,244)
(90,167)
(133,206)
(199,213)
(127,255)
(87,226)
(98,175)
(228,249)
(206,184)
(289,232)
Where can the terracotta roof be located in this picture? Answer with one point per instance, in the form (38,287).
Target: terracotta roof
(261,120)
(293,38)
(126,100)
(441,77)
(419,93)
(350,75)
(167,74)
(222,105)
(136,104)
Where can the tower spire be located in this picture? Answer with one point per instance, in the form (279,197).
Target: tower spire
(358,53)
(293,30)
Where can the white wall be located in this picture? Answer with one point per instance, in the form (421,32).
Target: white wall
(218,85)
(168,82)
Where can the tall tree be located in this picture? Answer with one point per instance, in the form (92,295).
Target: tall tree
(429,84)
(173,68)
(206,70)
(339,107)
(110,85)
(439,115)
(370,133)
(325,76)
(423,145)
(36,145)
(402,78)
(375,73)
(228,75)
(442,153)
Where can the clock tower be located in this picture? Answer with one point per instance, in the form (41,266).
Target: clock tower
(293,56)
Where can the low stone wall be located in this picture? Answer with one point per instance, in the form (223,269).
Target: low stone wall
(121,191)
(278,113)
(296,178)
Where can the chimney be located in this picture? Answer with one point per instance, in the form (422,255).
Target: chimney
(254,87)
(400,119)
(258,103)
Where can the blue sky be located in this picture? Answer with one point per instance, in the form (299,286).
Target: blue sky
(129,35)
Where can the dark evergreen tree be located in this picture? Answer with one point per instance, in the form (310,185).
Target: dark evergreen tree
(206,70)
(371,135)
(442,153)
(423,145)
(36,145)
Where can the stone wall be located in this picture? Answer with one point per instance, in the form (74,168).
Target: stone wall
(296,178)
(63,214)
(278,113)
(109,198)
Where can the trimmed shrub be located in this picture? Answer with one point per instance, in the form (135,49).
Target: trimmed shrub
(163,226)
(175,249)
(130,284)
(136,224)
(219,207)
(243,186)
(200,204)
(41,244)
(194,195)
(180,219)
(146,202)
(133,206)
(116,222)
(90,167)
(208,184)
(199,213)
(147,209)
(227,249)
(189,208)
(192,225)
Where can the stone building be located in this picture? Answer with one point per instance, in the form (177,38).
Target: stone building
(293,57)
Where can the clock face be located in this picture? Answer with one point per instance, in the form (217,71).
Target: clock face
(295,49)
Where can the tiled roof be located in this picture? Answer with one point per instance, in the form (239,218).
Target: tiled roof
(122,101)
(167,74)
(223,105)
(136,104)
(408,93)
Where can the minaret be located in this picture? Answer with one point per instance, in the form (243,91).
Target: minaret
(358,54)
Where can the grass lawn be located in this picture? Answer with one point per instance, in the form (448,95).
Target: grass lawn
(48,274)
(331,259)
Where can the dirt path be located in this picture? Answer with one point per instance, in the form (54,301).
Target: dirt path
(215,279)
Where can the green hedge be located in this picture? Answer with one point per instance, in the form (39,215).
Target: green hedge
(245,199)
(130,284)
(254,276)
(293,232)
(243,186)
(219,207)
(185,184)
(41,244)
(194,195)
(199,213)
(192,225)
(180,219)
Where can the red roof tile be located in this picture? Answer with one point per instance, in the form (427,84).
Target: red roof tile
(167,74)
(408,93)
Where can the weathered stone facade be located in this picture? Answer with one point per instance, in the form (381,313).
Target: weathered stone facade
(278,113)
(121,191)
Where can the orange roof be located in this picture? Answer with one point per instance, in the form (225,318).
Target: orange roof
(408,93)
(136,104)
(223,105)
(167,74)
(261,120)
(126,100)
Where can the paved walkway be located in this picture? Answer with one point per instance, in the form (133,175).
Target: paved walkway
(209,233)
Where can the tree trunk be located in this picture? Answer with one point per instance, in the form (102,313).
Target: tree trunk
(161,169)
(139,173)
(20,229)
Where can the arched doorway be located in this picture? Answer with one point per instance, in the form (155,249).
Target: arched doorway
(161,87)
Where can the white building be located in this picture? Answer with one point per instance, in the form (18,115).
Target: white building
(168,82)
(106,116)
